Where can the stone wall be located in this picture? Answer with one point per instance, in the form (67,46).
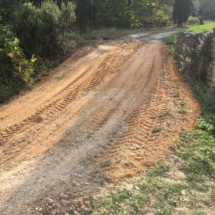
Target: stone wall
(211,66)
(188,39)
(188,42)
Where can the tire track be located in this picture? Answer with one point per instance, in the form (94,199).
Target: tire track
(144,125)
(60,101)
(148,138)
(92,77)
(54,106)
(138,138)
(114,101)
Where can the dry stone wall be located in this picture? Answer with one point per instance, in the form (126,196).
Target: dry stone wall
(188,41)
(211,66)
(187,45)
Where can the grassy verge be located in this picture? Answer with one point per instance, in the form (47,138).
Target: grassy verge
(201,28)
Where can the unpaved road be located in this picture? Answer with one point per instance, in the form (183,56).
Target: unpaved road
(104,114)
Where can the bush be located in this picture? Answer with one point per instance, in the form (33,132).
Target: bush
(15,71)
(193,20)
(41,30)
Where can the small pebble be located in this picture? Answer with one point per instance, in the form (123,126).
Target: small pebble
(49,201)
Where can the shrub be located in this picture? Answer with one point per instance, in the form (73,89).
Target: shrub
(15,71)
(41,30)
(193,20)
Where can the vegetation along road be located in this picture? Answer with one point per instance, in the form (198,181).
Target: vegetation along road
(104,114)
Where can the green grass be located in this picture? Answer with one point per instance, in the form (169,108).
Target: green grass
(198,152)
(160,195)
(201,28)
(159,170)
(153,193)
(197,148)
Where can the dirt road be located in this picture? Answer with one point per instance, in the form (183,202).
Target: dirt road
(104,114)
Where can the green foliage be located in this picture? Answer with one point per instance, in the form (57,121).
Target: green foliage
(150,10)
(171,39)
(122,14)
(205,124)
(15,71)
(7,9)
(114,14)
(41,30)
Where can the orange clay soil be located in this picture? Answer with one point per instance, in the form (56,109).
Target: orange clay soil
(153,125)
(106,112)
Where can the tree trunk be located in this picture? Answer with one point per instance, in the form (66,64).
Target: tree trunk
(179,24)
(201,20)
(82,13)
(201,16)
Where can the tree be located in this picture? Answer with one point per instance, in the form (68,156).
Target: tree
(127,13)
(7,9)
(210,14)
(113,13)
(82,9)
(152,10)
(181,11)
(203,6)
(41,30)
